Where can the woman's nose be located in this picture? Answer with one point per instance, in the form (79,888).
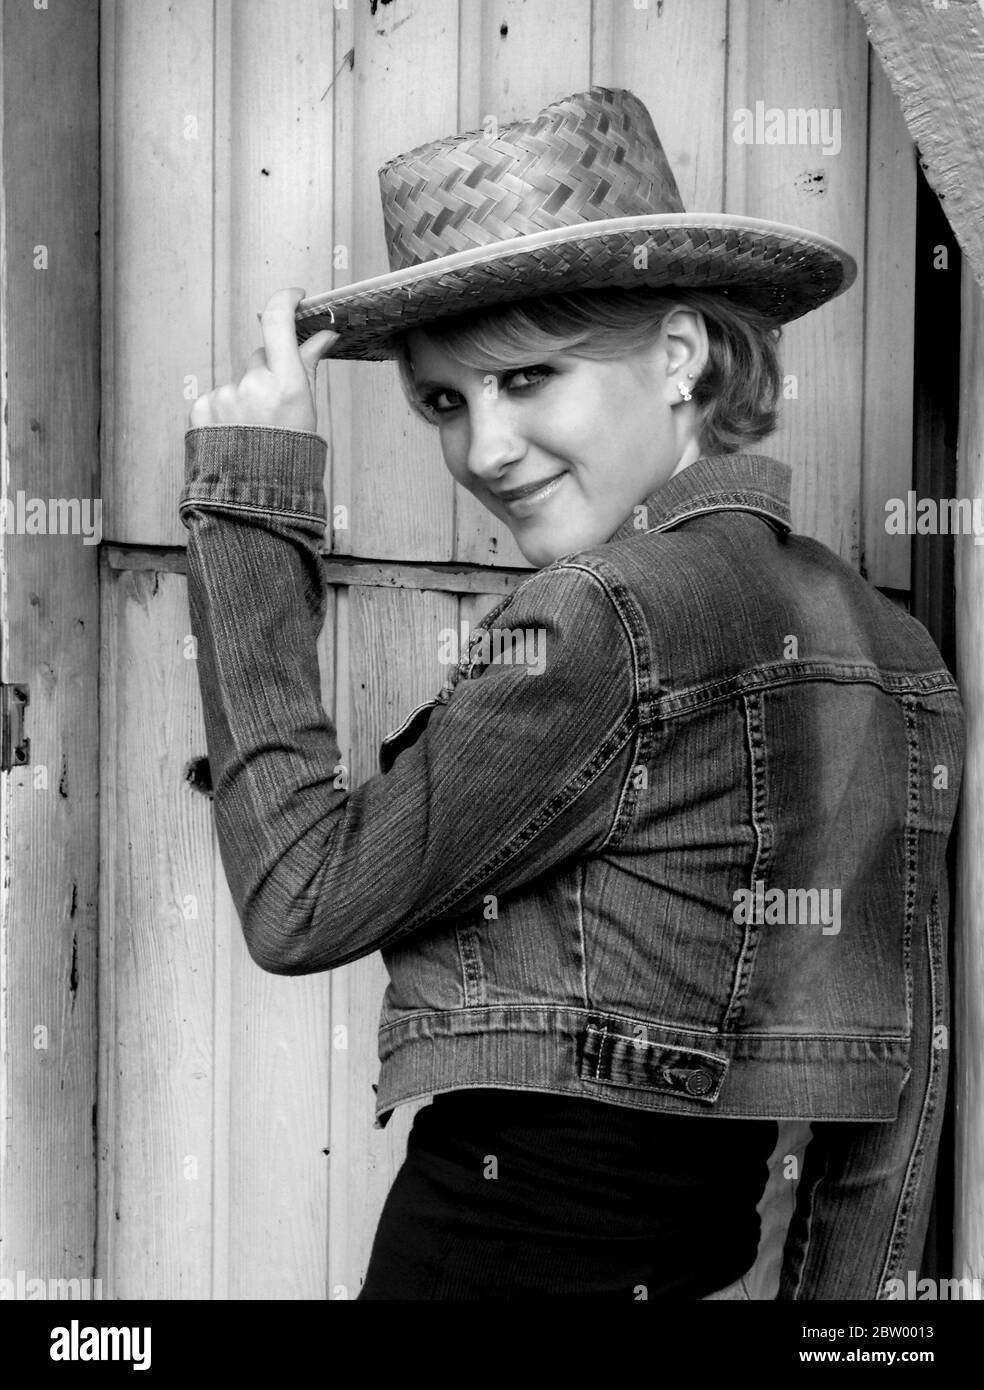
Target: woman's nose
(494,441)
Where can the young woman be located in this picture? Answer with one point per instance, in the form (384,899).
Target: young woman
(662,863)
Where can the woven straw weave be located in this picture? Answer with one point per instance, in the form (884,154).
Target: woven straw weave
(589,157)
(561,177)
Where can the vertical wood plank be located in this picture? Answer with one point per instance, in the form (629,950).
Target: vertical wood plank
(157,254)
(400,93)
(156,1018)
(889,310)
(343,381)
(797,55)
(277,1034)
(968,1010)
(49,640)
(387,654)
(673,57)
(273,228)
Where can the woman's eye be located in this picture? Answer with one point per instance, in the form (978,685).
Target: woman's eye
(443,402)
(538,373)
(435,401)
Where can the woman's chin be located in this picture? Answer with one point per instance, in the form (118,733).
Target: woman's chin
(543,550)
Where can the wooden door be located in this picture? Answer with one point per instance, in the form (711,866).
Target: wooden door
(238,1157)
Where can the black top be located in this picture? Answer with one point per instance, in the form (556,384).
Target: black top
(520,1194)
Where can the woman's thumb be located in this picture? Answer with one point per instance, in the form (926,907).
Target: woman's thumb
(316,346)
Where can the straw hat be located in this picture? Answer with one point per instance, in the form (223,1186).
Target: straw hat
(580,196)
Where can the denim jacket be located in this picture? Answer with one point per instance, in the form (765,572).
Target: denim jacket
(666,836)
(671,836)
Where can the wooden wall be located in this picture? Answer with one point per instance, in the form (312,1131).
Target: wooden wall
(240,148)
(968,1216)
(934,59)
(49,638)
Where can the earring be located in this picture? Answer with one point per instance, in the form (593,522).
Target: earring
(685,391)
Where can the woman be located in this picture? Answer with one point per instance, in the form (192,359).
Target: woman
(662,863)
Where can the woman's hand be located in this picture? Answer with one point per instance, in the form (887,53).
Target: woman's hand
(277,387)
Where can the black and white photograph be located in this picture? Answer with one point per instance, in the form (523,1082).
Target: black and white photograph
(492,641)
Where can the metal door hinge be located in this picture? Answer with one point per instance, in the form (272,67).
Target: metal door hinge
(16,749)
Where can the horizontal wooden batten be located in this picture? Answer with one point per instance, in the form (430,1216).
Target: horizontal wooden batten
(348,569)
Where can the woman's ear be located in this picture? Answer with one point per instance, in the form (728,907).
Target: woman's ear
(683,336)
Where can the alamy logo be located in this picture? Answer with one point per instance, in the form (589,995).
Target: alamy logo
(83,1343)
(798,907)
(912,1287)
(23,1289)
(53,516)
(930,516)
(504,646)
(796,125)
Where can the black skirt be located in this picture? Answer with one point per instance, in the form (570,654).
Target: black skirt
(520,1194)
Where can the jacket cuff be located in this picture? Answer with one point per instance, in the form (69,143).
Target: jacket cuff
(255,467)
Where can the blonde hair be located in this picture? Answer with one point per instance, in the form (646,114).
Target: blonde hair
(736,394)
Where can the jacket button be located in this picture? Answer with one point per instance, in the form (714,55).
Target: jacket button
(699,1082)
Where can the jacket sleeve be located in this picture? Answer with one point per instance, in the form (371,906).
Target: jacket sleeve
(523,769)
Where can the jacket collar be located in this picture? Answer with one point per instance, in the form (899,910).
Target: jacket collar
(716,483)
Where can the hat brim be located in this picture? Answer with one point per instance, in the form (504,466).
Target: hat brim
(780,270)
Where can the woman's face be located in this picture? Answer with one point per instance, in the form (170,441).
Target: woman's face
(562,449)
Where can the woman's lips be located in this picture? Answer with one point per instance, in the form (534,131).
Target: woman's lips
(531,498)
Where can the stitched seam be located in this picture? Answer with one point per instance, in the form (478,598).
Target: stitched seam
(911,850)
(581,934)
(930,1101)
(211,503)
(276,429)
(625,804)
(657,1023)
(755,743)
(601,1047)
(620,599)
(656,1043)
(681,702)
(766,509)
(470,965)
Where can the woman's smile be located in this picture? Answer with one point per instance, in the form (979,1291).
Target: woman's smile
(521,501)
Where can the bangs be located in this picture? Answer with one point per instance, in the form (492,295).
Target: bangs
(506,337)
(736,394)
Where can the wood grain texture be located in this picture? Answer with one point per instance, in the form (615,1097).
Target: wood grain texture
(796,55)
(49,640)
(157,284)
(203,1055)
(400,92)
(156,1137)
(388,660)
(673,56)
(968,1010)
(934,58)
(889,325)
(273,183)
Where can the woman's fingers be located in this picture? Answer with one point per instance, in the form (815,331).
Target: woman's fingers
(280,336)
(277,387)
(314,349)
